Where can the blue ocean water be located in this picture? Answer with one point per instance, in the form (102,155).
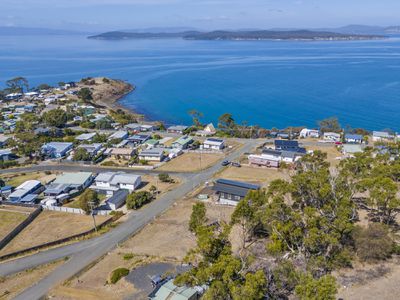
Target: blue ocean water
(266,83)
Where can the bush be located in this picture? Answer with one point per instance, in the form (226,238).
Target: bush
(164,177)
(109,163)
(137,199)
(117,274)
(128,256)
(88,198)
(372,243)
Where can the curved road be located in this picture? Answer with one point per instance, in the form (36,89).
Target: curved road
(84,253)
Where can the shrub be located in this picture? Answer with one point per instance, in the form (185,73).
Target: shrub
(372,243)
(128,256)
(117,274)
(137,199)
(164,177)
(109,163)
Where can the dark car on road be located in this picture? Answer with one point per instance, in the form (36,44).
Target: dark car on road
(225,163)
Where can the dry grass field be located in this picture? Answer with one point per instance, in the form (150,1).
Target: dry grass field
(191,162)
(9,220)
(17,179)
(165,239)
(256,175)
(12,285)
(50,226)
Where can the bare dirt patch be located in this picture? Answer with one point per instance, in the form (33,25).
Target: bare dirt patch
(370,282)
(50,226)
(191,162)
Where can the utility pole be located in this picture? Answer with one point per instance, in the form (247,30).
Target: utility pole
(92,205)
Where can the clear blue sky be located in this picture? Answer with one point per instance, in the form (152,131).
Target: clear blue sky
(203,14)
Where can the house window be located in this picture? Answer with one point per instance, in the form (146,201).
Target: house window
(229,196)
(237,198)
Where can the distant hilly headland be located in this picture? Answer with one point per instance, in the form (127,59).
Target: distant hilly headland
(238,35)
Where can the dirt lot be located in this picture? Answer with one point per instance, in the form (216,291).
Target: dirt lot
(370,282)
(11,286)
(9,220)
(330,149)
(191,162)
(256,175)
(166,239)
(50,226)
(17,179)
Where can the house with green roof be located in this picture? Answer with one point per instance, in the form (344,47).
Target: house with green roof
(169,291)
(183,142)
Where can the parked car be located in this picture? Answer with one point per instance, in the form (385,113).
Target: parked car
(236,164)
(225,163)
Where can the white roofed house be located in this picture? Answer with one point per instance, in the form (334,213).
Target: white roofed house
(214,144)
(111,182)
(304,133)
(119,135)
(85,137)
(382,136)
(179,129)
(332,137)
(30,187)
(207,131)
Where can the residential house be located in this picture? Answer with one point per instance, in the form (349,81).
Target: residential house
(133,127)
(214,144)
(6,154)
(382,136)
(119,135)
(3,140)
(179,129)
(169,291)
(138,139)
(111,182)
(264,160)
(85,137)
(69,183)
(151,143)
(332,137)
(230,192)
(353,138)
(207,131)
(289,146)
(313,133)
(124,153)
(155,154)
(56,149)
(117,200)
(183,142)
(91,149)
(351,149)
(25,189)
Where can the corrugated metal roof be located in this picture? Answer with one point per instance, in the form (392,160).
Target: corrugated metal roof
(77,178)
(234,187)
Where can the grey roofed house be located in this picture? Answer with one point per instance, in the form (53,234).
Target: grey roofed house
(177,129)
(138,138)
(119,135)
(3,140)
(234,187)
(85,136)
(133,126)
(56,149)
(152,154)
(230,192)
(92,149)
(118,199)
(78,178)
(381,135)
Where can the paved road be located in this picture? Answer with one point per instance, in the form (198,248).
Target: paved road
(83,253)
